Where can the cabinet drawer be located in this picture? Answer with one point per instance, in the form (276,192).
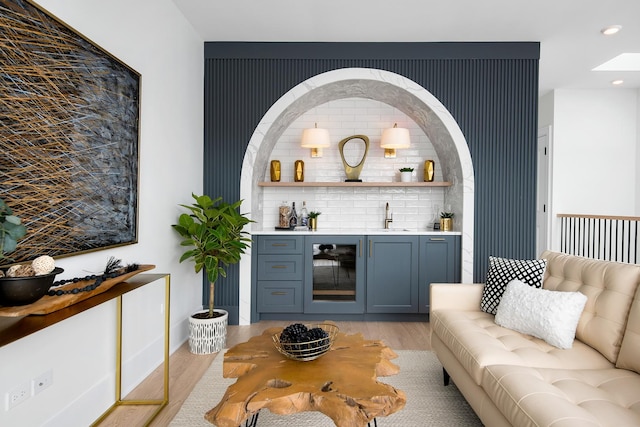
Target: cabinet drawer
(280,244)
(280,267)
(279,297)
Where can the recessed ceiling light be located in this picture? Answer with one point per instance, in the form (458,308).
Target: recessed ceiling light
(617,82)
(611,29)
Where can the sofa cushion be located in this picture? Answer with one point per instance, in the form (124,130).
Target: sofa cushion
(610,288)
(502,271)
(629,357)
(477,341)
(564,397)
(549,315)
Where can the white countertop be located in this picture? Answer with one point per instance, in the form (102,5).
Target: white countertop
(369,232)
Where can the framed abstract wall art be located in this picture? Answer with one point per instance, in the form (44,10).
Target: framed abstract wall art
(69,135)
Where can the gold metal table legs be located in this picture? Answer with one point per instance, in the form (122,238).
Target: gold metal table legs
(160,403)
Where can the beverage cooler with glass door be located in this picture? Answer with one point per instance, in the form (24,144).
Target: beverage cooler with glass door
(334,274)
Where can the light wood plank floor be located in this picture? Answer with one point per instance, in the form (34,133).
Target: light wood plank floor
(185,369)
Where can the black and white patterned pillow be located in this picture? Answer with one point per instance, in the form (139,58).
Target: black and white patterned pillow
(504,270)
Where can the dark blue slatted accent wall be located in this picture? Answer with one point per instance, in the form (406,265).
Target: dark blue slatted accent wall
(491,89)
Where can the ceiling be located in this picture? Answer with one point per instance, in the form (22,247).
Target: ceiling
(568,30)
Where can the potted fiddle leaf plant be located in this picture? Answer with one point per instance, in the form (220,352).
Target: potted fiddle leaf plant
(212,230)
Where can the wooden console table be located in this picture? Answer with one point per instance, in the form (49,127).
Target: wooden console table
(15,328)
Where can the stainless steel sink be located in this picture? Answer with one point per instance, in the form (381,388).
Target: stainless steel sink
(390,230)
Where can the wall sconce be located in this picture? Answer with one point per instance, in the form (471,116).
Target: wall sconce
(394,138)
(316,139)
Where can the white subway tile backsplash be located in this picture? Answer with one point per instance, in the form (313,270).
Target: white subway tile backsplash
(351,207)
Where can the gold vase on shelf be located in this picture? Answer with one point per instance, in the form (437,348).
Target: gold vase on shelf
(429,170)
(299,171)
(275,170)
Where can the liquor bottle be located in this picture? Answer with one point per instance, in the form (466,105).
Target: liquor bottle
(293,219)
(304,215)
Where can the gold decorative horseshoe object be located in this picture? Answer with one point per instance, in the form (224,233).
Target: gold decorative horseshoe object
(353,172)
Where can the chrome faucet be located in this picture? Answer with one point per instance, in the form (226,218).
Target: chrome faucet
(388,217)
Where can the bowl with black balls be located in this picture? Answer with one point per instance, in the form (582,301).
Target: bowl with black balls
(305,342)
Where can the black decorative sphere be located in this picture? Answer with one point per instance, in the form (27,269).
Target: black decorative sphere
(25,290)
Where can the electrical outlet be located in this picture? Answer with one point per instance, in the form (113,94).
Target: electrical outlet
(18,395)
(42,381)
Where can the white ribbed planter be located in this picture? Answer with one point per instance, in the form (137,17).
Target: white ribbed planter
(406,176)
(208,335)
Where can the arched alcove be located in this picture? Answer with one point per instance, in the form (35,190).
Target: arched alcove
(395,90)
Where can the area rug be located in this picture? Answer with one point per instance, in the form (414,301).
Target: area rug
(429,403)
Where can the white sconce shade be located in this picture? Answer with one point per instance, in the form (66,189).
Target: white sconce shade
(394,138)
(316,139)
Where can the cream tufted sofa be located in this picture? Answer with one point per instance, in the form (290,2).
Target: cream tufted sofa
(512,379)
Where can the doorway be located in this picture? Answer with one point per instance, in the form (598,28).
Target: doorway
(543,202)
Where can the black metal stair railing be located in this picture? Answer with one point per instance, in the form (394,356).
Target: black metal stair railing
(611,238)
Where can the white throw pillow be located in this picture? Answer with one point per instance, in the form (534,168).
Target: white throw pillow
(549,315)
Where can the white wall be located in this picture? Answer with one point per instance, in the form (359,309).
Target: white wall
(595,155)
(152,37)
(637,180)
(545,110)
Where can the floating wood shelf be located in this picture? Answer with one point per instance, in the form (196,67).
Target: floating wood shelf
(355,184)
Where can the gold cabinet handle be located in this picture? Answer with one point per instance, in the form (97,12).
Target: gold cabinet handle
(279,266)
(437,239)
(278,244)
(360,245)
(278,293)
(370,248)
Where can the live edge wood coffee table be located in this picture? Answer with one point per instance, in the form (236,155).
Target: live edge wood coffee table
(341,384)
